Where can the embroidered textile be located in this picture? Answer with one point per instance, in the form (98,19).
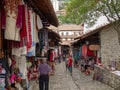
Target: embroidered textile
(11,16)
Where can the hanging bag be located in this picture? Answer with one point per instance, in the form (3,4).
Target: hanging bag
(23,83)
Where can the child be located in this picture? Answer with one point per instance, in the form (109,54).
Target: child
(70,63)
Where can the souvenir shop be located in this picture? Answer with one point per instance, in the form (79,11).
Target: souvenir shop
(21,31)
(86,50)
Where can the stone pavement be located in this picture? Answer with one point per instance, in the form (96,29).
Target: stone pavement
(78,81)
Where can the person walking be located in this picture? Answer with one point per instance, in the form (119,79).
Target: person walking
(44,71)
(70,64)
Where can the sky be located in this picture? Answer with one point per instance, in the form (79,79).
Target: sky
(100,22)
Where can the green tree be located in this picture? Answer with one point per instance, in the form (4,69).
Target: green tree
(90,10)
(77,9)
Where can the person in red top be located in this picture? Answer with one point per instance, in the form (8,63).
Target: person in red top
(70,64)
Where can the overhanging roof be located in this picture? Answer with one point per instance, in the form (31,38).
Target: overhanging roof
(92,32)
(90,36)
(45,9)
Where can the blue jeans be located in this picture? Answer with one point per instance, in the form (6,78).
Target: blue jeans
(70,69)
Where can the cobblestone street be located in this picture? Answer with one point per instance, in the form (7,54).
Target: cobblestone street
(78,81)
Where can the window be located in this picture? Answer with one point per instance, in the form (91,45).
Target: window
(69,39)
(70,33)
(63,39)
(64,33)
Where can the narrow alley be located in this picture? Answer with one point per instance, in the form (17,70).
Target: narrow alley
(78,81)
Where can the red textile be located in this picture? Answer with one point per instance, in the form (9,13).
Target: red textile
(84,50)
(51,56)
(29,42)
(70,62)
(19,16)
(23,32)
(89,52)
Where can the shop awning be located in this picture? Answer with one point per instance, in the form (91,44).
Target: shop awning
(92,36)
(45,9)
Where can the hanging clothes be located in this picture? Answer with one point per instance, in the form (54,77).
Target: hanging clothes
(84,50)
(80,51)
(19,16)
(39,24)
(28,22)
(35,31)
(77,55)
(4,69)
(46,38)
(21,64)
(31,50)
(11,8)
(41,39)
(3,17)
(90,52)
(23,32)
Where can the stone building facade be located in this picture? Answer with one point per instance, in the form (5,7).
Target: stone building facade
(110,56)
(110,47)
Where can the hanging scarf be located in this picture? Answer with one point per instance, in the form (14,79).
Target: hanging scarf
(19,16)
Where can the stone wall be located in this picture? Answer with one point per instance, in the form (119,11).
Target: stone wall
(107,77)
(110,47)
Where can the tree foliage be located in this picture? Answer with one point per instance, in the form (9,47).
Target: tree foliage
(90,10)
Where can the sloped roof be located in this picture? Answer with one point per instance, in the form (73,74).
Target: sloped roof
(53,27)
(93,31)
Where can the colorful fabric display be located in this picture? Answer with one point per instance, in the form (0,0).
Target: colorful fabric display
(31,50)
(36,39)
(16,51)
(21,64)
(19,16)
(4,67)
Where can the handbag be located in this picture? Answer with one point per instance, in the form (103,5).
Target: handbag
(23,83)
